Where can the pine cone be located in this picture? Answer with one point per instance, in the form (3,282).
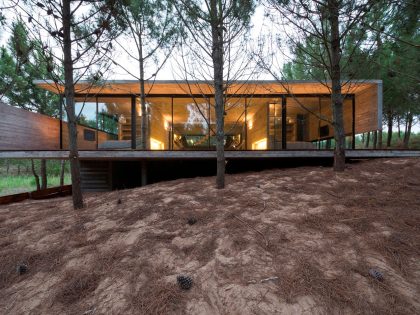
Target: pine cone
(192,221)
(21,269)
(184,282)
(376,274)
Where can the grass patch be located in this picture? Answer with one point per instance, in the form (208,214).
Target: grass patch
(15,184)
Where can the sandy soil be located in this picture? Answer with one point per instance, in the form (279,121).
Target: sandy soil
(292,241)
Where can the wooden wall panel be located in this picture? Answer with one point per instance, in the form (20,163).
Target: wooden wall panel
(326,111)
(259,127)
(81,142)
(24,130)
(157,129)
(367,110)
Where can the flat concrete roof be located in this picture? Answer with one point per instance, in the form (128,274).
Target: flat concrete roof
(172,87)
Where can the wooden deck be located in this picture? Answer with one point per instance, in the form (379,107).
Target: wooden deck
(182,155)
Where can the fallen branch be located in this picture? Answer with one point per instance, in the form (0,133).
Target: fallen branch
(259,232)
(334,195)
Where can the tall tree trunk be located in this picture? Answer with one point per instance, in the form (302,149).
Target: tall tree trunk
(399,126)
(38,187)
(336,97)
(409,124)
(367,140)
(379,69)
(62,168)
(217,56)
(390,123)
(71,115)
(145,141)
(363,137)
(44,174)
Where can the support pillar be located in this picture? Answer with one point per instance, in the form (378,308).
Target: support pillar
(143,173)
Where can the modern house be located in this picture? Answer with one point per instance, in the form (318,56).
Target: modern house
(262,119)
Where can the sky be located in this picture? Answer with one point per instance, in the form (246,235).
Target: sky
(170,71)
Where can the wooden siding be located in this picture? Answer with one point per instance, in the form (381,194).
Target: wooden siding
(367,110)
(24,130)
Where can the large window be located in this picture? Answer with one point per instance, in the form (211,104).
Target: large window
(114,122)
(186,123)
(160,117)
(191,128)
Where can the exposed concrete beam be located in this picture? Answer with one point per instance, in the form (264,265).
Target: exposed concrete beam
(163,155)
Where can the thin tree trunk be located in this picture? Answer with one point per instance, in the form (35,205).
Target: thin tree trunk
(367,140)
(217,56)
(38,186)
(336,97)
(363,137)
(380,134)
(62,168)
(409,124)
(7,167)
(375,139)
(69,94)
(399,126)
(389,137)
(379,69)
(144,114)
(44,174)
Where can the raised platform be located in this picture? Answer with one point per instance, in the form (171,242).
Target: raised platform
(182,155)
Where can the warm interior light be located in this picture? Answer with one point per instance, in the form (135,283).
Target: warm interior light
(250,124)
(260,144)
(166,125)
(156,144)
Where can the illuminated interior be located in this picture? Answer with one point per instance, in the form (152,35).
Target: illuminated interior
(186,123)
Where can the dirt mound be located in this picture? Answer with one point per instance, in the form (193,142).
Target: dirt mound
(289,241)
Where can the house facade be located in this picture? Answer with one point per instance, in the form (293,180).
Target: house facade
(260,115)
(264,121)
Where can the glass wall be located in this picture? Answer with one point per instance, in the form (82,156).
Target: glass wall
(114,122)
(184,123)
(160,118)
(87,134)
(234,127)
(256,123)
(192,129)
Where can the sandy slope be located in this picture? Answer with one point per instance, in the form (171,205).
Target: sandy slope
(314,233)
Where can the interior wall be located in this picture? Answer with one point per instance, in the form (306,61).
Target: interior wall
(157,129)
(82,143)
(258,117)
